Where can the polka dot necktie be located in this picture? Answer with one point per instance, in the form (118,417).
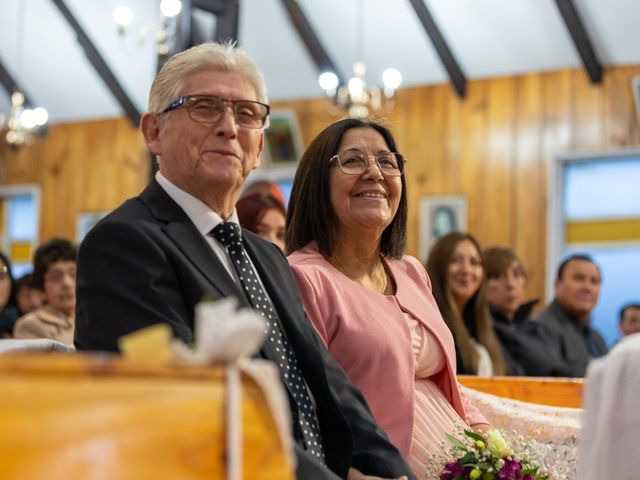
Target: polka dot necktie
(228,234)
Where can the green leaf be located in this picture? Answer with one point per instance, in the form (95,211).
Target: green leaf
(468,459)
(532,471)
(475,436)
(457,443)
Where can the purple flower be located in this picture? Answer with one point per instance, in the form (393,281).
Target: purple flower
(511,470)
(528,476)
(452,470)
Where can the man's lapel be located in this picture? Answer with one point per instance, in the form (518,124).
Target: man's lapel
(186,237)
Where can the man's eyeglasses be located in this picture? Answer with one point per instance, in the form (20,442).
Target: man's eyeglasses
(355,162)
(209,109)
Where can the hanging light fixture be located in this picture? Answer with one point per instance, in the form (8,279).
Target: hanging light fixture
(169,9)
(23,122)
(357,98)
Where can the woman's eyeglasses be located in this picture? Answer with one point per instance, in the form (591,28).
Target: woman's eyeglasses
(354,162)
(209,109)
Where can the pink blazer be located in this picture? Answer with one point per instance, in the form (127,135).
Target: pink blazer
(369,337)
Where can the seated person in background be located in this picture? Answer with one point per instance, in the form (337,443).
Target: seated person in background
(630,319)
(266,187)
(457,275)
(155,257)
(264,215)
(54,265)
(8,310)
(28,295)
(526,342)
(371,304)
(567,318)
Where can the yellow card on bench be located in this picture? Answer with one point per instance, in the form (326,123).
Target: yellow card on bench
(150,343)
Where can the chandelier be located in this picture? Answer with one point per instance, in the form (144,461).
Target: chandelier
(23,122)
(356,98)
(123,15)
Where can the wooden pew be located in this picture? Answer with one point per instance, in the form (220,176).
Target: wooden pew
(559,392)
(101,417)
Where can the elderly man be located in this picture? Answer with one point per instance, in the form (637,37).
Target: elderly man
(567,319)
(157,255)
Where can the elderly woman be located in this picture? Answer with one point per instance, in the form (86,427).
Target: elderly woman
(526,342)
(455,267)
(264,215)
(371,304)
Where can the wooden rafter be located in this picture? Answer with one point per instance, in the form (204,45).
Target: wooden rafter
(99,64)
(581,39)
(449,62)
(311,41)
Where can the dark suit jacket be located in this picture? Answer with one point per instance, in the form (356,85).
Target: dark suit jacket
(570,338)
(146,263)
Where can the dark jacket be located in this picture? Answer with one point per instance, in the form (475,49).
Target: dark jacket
(146,263)
(529,350)
(571,337)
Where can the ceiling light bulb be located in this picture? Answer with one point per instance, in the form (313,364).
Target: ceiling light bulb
(41,116)
(328,81)
(356,87)
(170,8)
(122,15)
(17,98)
(391,78)
(27,118)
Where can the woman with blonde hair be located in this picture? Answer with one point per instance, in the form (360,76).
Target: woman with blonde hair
(457,274)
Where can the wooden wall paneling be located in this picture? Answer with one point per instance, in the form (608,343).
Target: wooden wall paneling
(473,151)
(497,181)
(132,170)
(588,108)
(528,215)
(620,120)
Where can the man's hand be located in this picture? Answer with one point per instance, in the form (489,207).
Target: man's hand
(356,475)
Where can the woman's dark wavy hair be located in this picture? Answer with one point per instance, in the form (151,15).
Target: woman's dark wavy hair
(12,295)
(310,216)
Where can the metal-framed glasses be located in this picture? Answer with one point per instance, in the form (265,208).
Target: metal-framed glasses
(355,162)
(209,109)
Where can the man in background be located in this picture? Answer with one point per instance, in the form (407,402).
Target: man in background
(567,319)
(630,319)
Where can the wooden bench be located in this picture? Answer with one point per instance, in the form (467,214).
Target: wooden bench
(559,392)
(90,417)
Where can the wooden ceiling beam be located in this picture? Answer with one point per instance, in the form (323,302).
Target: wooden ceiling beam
(581,39)
(217,7)
(227,22)
(311,41)
(456,76)
(100,65)
(10,85)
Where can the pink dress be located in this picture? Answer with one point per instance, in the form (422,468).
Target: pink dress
(434,416)
(389,357)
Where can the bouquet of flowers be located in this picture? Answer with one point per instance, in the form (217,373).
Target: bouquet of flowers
(488,458)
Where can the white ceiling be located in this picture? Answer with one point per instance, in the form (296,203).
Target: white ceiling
(487,37)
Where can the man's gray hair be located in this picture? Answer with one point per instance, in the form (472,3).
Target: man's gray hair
(225,57)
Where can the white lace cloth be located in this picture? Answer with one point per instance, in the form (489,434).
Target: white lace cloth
(553,430)
(609,442)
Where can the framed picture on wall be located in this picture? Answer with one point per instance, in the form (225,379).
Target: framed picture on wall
(283,141)
(635,86)
(440,215)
